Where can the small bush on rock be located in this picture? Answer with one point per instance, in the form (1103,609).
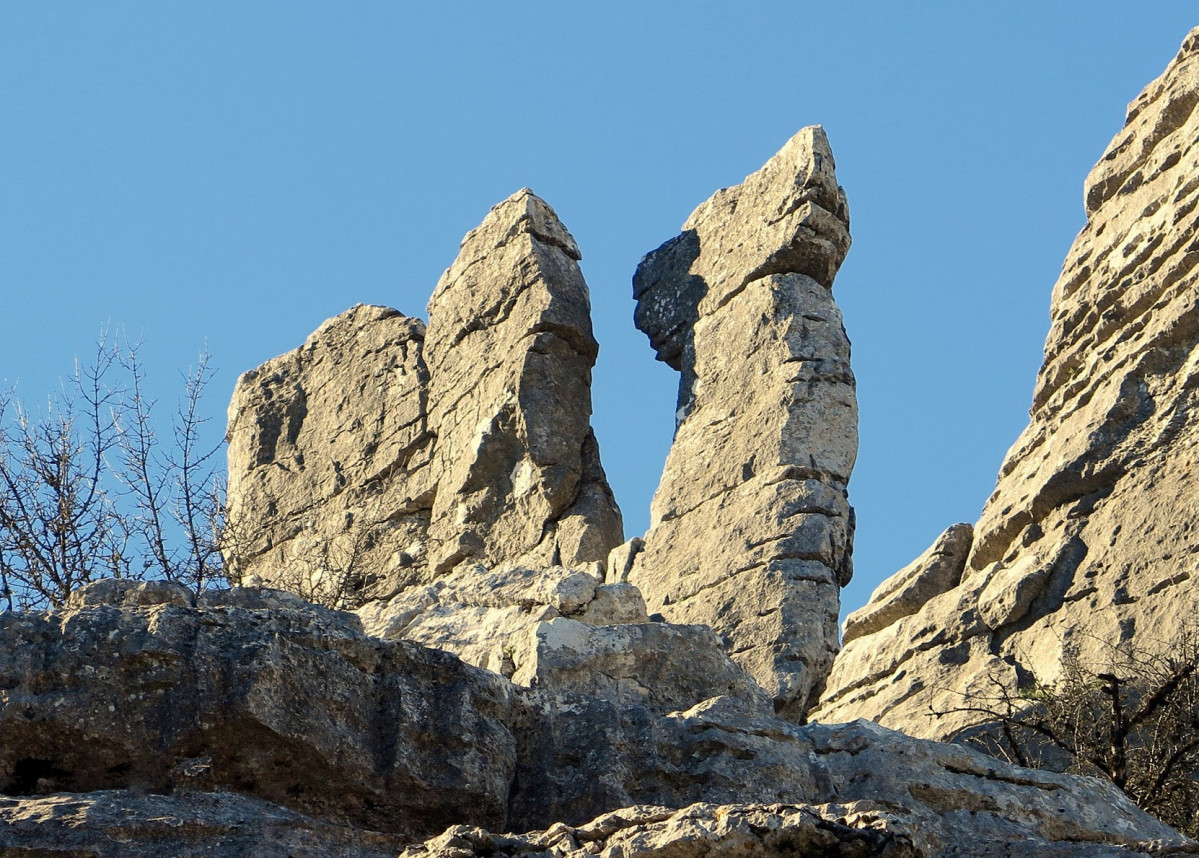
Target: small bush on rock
(1131,717)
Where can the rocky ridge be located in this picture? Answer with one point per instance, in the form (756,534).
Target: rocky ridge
(1088,538)
(501,671)
(140,714)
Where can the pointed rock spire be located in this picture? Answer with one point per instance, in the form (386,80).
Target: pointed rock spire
(510,351)
(751,529)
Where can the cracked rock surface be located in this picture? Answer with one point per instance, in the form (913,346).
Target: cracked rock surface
(751,530)
(329,449)
(1089,536)
(510,352)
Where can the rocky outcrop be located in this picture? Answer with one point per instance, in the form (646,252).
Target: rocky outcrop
(699,831)
(1087,538)
(329,448)
(510,352)
(255,692)
(136,712)
(380,455)
(751,530)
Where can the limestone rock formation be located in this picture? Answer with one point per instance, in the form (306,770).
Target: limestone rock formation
(699,831)
(485,617)
(510,352)
(328,458)
(133,716)
(253,692)
(380,455)
(751,530)
(1088,536)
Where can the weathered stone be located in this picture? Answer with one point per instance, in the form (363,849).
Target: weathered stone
(659,666)
(699,831)
(328,455)
(750,528)
(123,824)
(1086,539)
(946,799)
(510,351)
(936,570)
(483,616)
(292,705)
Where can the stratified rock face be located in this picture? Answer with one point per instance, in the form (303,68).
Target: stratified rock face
(1088,535)
(751,531)
(510,351)
(125,824)
(328,458)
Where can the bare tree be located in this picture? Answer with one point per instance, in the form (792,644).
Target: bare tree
(1131,717)
(87,491)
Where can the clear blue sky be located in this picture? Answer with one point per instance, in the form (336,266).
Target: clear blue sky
(236,172)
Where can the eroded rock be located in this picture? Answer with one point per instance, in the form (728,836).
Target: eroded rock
(751,530)
(328,460)
(291,704)
(1087,538)
(138,720)
(510,351)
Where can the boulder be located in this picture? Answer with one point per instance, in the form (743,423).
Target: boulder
(750,529)
(485,616)
(1086,541)
(510,351)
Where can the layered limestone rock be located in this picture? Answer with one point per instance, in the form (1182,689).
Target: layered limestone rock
(510,352)
(751,531)
(136,713)
(1089,537)
(378,455)
(255,692)
(329,448)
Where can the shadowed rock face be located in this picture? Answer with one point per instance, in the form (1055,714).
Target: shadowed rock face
(1089,533)
(390,454)
(510,352)
(751,531)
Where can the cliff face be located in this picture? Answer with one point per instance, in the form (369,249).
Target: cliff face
(139,720)
(1089,535)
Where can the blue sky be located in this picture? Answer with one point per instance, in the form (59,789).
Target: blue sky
(236,172)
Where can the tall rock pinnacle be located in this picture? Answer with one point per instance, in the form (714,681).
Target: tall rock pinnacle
(751,530)
(510,352)
(1089,536)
